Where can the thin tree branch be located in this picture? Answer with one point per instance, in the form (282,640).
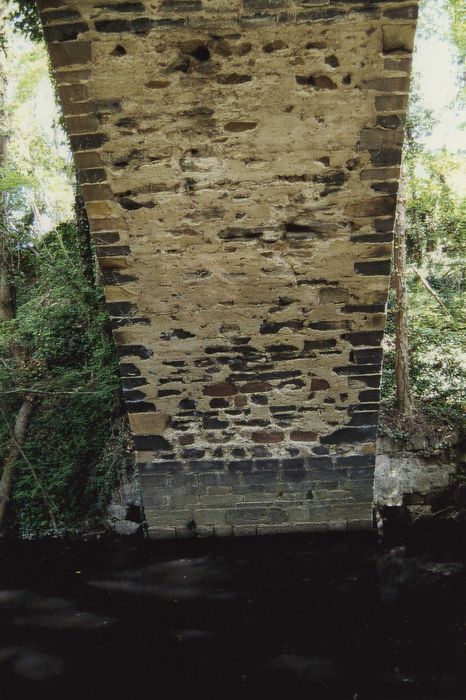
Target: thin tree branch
(48,501)
(40,392)
(431,291)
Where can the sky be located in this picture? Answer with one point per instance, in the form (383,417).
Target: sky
(437,67)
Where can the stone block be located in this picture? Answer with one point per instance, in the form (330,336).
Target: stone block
(223,530)
(168,518)
(398,38)
(161,533)
(255,514)
(149,423)
(209,516)
(244,530)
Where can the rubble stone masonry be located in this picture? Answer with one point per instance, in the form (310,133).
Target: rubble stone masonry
(239,160)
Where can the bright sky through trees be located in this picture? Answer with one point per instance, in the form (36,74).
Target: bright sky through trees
(439,73)
(34,117)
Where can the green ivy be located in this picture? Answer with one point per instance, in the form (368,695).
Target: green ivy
(77,440)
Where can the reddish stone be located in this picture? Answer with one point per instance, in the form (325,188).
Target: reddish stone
(220,389)
(240,401)
(319,384)
(264,436)
(303,436)
(186,439)
(256,387)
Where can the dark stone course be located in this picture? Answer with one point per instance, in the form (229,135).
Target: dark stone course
(113,25)
(140,407)
(132,382)
(91,176)
(373,238)
(321,344)
(102,237)
(181,5)
(360,407)
(133,395)
(56,15)
(112,251)
(121,308)
(369,395)
(127,369)
(264,4)
(327,13)
(390,121)
(240,465)
(371,380)
(364,308)
(386,156)
(292,464)
(151,442)
(264,465)
(405,12)
(111,277)
(376,267)
(122,7)
(162,467)
(218,403)
(134,351)
(318,462)
(385,187)
(282,409)
(206,465)
(350,435)
(362,357)
(193,453)
(65,32)
(384,225)
(273,327)
(87,142)
(214,423)
(364,418)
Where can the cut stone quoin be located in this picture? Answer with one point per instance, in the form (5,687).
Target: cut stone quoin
(244,239)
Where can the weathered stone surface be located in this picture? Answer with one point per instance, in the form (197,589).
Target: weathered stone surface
(239,164)
(409,470)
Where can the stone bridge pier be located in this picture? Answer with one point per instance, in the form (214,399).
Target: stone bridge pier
(239,160)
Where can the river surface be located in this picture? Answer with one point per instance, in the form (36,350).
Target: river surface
(325,617)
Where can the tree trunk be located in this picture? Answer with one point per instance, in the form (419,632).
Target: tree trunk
(82,225)
(403,388)
(20,431)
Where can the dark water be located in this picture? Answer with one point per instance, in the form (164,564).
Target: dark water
(323,617)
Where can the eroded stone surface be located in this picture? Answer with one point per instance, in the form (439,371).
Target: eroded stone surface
(239,161)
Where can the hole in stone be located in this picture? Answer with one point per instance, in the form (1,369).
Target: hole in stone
(332,61)
(309,495)
(119,50)
(347,80)
(202,53)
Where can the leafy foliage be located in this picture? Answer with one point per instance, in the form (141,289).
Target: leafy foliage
(436,240)
(73,440)
(25,19)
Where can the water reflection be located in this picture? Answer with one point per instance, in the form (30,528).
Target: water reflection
(322,619)
(174,579)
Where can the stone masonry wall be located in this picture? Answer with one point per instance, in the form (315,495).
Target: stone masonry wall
(239,160)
